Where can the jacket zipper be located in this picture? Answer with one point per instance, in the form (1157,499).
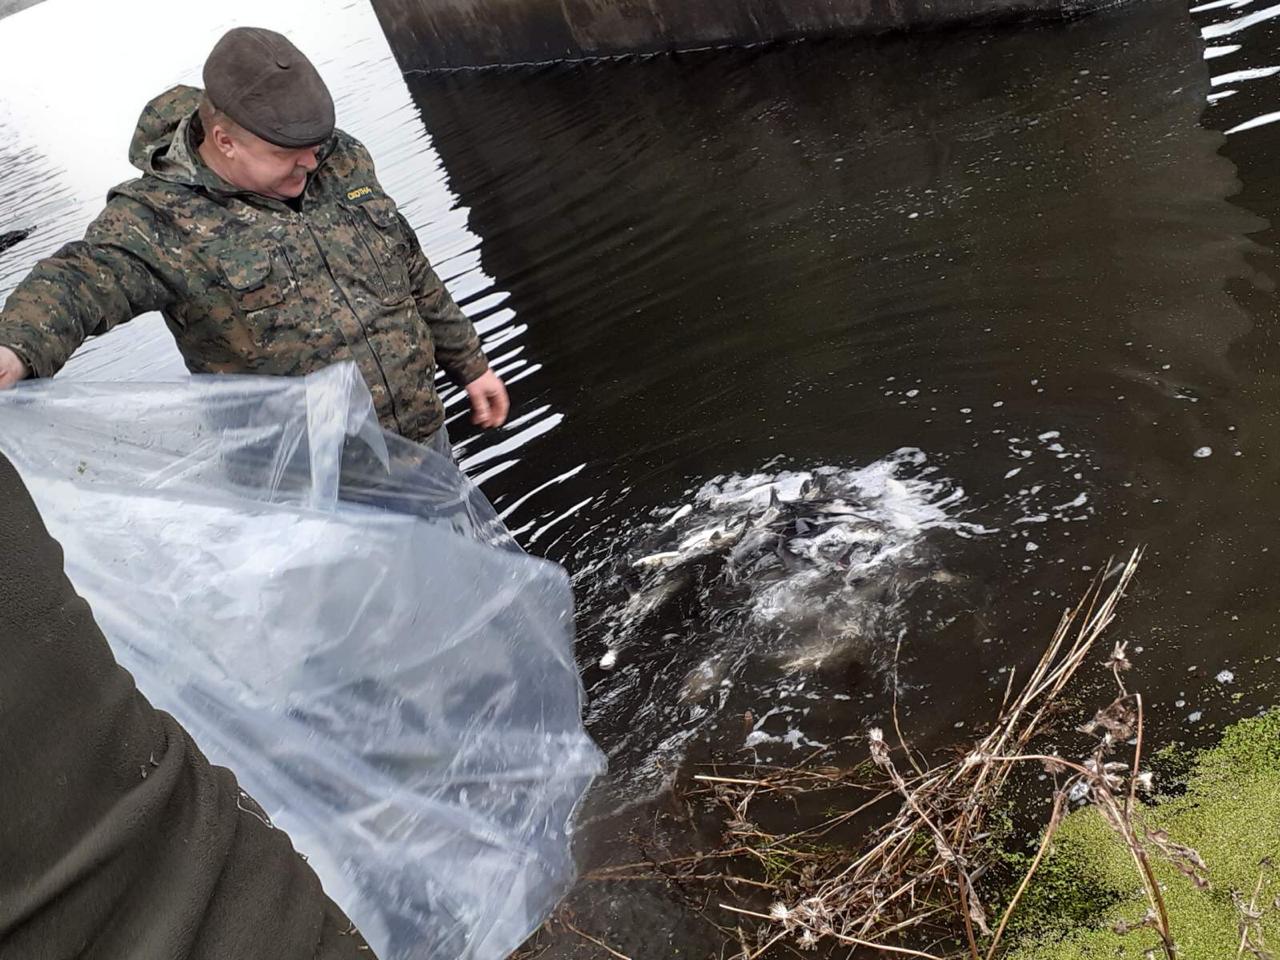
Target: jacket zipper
(391,400)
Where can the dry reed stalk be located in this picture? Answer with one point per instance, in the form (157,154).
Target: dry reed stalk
(590,939)
(1251,939)
(925,860)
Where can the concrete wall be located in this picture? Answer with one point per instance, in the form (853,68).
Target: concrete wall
(434,34)
(13,6)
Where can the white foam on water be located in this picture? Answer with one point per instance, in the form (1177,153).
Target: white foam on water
(754,491)
(748,585)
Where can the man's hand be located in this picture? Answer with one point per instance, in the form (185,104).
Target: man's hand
(489,403)
(12,369)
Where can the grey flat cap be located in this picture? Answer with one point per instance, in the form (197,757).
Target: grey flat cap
(268,86)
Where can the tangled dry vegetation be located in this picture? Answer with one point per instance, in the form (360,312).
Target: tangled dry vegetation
(921,868)
(911,887)
(912,858)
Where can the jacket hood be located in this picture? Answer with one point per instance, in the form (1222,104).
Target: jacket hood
(161,146)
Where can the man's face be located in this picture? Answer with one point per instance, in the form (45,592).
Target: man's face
(251,163)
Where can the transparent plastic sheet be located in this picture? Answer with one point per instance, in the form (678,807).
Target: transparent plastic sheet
(339,616)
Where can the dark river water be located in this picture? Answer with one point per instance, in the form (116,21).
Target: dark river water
(961,315)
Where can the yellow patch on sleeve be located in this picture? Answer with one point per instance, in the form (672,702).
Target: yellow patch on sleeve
(359,192)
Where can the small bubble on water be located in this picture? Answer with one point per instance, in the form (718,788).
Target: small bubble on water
(1226,676)
(1194,717)
(1203,452)
(1032,547)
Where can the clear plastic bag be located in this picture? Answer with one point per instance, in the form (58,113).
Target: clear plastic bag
(338,616)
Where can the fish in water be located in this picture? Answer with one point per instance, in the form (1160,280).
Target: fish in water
(14,237)
(815,561)
(814,527)
(657,560)
(746,608)
(707,676)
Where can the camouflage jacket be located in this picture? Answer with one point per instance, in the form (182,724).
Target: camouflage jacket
(249,285)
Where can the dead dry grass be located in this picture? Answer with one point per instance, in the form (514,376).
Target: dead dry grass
(911,886)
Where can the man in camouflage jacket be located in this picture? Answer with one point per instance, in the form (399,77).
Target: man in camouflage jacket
(264,238)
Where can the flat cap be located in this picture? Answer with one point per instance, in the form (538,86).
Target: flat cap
(268,86)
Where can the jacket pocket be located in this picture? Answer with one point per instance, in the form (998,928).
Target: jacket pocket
(379,228)
(259,277)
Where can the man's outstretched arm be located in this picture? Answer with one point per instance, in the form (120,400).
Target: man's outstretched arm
(83,290)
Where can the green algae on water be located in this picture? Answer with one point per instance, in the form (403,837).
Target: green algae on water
(1229,813)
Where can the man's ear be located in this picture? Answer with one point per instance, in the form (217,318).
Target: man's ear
(222,141)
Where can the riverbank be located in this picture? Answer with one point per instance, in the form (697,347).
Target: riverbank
(1062,834)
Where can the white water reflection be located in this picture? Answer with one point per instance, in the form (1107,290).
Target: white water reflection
(1217,4)
(1263,120)
(1232,78)
(1216,30)
(1256,73)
